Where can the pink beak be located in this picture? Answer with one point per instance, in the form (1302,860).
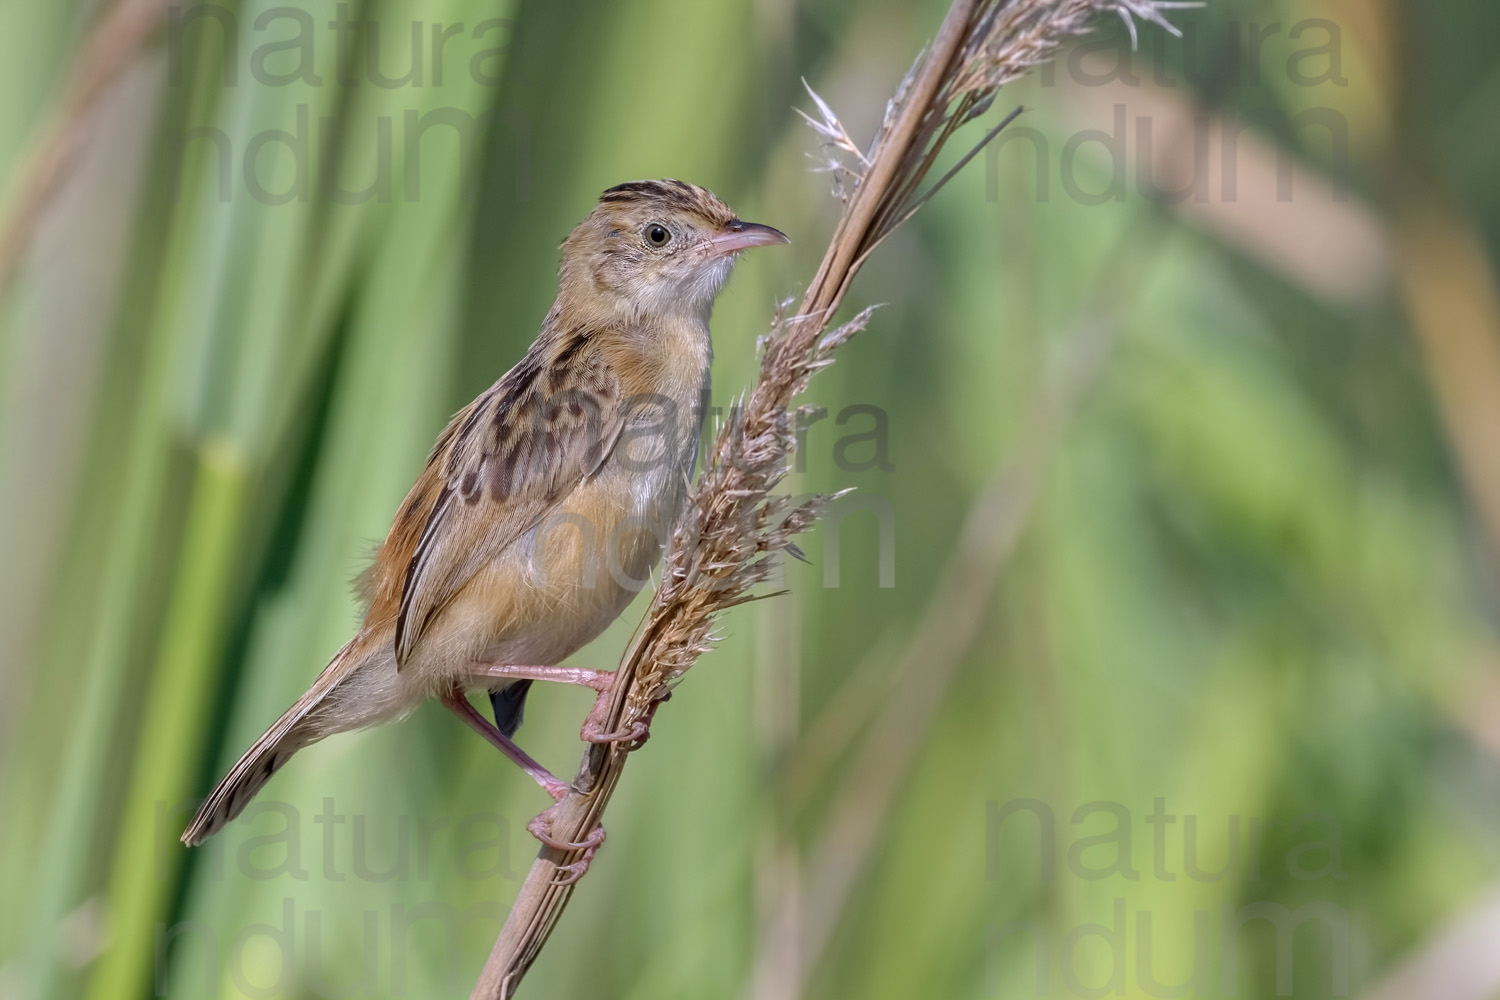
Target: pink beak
(744,235)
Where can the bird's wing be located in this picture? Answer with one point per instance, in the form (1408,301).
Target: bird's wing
(500,466)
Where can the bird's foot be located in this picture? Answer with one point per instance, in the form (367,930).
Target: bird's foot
(631,737)
(541,828)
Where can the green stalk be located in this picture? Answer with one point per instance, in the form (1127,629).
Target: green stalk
(175,723)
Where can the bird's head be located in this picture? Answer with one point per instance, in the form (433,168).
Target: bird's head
(657,248)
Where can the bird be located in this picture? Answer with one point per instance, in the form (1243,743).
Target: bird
(543,505)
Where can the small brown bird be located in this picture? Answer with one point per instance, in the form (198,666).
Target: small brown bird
(544,503)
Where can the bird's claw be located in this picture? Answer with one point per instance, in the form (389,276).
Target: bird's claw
(540,827)
(633,736)
(575,871)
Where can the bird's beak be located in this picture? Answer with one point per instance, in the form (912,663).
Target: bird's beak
(739,236)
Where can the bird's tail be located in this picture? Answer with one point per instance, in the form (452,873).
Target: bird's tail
(298,727)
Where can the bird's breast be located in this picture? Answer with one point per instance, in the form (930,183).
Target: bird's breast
(568,577)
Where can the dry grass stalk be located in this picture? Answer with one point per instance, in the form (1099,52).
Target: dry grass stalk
(117,38)
(733,527)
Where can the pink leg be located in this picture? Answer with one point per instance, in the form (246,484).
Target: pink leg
(541,826)
(459,705)
(599,680)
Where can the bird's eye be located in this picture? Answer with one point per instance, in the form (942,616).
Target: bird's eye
(658,235)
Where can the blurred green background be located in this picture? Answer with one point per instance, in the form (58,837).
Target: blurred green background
(1183,406)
